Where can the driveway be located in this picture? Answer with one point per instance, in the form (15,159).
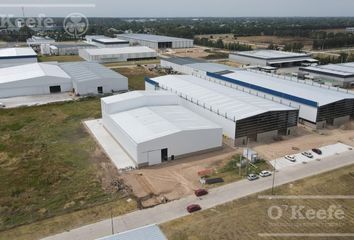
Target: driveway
(217,196)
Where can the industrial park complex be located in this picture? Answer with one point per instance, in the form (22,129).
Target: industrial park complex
(142,129)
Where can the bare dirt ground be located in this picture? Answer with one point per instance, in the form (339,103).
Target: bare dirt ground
(196,52)
(173,180)
(305,139)
(261,41)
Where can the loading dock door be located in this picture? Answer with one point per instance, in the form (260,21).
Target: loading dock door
(54,89)
(154,157)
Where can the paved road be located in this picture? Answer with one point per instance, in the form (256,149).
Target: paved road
(221,195)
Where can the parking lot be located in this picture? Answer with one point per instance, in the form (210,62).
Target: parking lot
(327,151)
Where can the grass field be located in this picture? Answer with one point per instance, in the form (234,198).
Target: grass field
(136,76)
(246,218)
(50,166)
(74,58)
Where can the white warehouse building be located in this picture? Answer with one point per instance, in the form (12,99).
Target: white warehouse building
(341,75)
(17,56)
(106,42)
(243,116)
(108,55)
(272,58)
(319,104)
(153,127)
(82,78)
(156,41)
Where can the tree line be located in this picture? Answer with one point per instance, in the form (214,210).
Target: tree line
(220,44)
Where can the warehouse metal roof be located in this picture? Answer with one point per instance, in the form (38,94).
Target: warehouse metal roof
(151,37)
(123,50)
(234,104)
(212,67)
(289,89)
(7,53)
(344,70)
(144,123)
(29,71)
(270,54)
(107,40)
(151,232)
(88,71)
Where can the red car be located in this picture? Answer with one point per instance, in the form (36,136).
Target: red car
(200,192)
(193,208)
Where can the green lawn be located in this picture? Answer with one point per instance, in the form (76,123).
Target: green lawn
(136,76)
(49,164)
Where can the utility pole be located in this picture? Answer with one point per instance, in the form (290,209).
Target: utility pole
(112,222)
(274,170)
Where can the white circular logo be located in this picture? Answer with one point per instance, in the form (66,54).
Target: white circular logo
(76,24)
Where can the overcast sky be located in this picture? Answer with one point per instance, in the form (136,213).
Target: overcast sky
(186,8)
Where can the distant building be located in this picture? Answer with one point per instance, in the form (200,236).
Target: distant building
(108,55)
(156,41)
(272,58)
(106,42)
(81,78)
(153,127)
(17,56)
(350,29)
(68,49)
(151,232)
(37,41)
(341,75)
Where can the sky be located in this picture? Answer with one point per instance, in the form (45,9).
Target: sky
(181,8)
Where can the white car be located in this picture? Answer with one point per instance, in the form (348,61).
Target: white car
(307,154)
(265,174)
(2,105)
(290,158)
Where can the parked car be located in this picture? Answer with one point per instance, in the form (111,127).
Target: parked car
(307,154)
(290,158)
(265,174)
(2,105)
(317,151)
(252,177)
(201,192)
(193,208)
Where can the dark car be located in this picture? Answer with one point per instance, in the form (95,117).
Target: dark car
(317,151)
(193,208)
(200,192)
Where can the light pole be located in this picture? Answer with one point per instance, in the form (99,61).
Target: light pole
(274,170)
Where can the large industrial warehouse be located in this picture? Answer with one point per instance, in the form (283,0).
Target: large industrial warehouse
(17,56)
(243,116)
(195,67)
(272,58)
(82,78)
(341,75)
(107,55)
(153,128)
(319,105)
(157,42)
(106,42)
